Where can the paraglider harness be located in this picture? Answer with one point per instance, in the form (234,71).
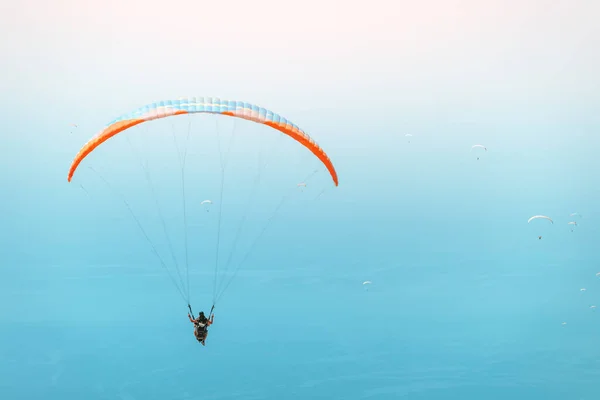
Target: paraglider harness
(201,328)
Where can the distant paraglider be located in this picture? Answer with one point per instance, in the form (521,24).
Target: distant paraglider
(408,135)
(476,147)
(206,204)
(540,217)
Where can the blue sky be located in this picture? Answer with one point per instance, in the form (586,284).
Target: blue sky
(465,303)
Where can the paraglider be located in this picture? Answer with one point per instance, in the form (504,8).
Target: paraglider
(201,325)
(201,105)
(366,285)
(540,217)
(408,135)
(478,146)
(572,223)
(206,204)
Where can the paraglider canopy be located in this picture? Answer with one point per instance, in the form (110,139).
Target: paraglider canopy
(538,217)
(192,105)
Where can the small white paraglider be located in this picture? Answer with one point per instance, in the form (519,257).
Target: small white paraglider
(478,146)
(540,217)
(206,204)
